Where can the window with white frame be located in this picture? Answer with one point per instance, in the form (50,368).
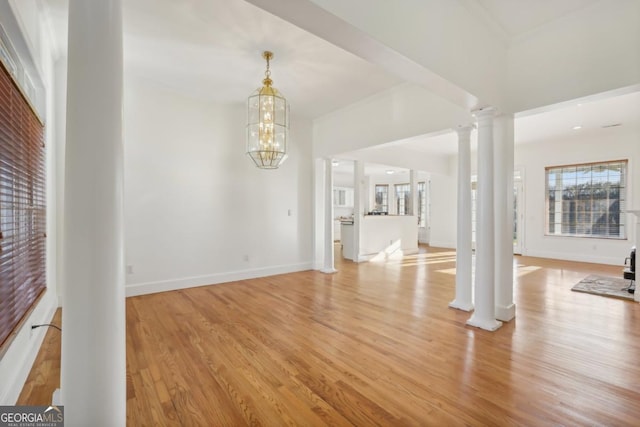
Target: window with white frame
(587,200)
(403,196)
(382,198)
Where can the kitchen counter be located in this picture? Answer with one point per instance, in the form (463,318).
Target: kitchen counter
(381,236)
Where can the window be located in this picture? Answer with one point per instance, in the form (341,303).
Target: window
(403,198)
(343,197)
(586,200)
(22,207)
(382,198)
(422,204)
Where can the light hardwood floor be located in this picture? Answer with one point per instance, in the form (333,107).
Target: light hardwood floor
(375,344)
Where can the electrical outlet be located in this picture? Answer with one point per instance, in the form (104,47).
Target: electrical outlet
(245,258)
(129,269)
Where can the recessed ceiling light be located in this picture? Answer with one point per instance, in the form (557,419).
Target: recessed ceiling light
(577,127)
(390,172)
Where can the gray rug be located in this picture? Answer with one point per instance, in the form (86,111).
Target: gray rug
(605,286)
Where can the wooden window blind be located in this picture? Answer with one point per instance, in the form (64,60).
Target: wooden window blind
(22,207)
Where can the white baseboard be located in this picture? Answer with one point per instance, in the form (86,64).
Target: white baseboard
(595,259)
(16,363)
(136,289)
(442,244)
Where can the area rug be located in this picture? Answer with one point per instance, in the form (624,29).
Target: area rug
(605,286)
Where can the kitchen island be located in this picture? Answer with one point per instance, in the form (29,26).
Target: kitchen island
(381,237)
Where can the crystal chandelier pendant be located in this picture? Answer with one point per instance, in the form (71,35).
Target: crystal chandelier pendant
(267,123)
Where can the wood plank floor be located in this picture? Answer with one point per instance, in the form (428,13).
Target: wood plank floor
(375,344)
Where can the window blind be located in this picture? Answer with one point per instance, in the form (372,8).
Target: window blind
(22,207)
(587,200)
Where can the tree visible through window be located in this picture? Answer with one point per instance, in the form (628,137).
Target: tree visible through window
(587,200)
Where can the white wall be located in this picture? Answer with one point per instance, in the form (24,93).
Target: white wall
(391,155)
(444,207)
(603,145)
(24,26)
(197,211)
(404,111)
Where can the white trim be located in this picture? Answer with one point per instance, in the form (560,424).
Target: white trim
(17,362)
(444,245)
(505,313)
(6,57)
(20,50)
(136,289)
(579,257)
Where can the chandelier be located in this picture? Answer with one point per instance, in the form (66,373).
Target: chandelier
(267,123)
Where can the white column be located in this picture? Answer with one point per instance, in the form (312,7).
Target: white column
(503,198)
(464,293)
(93,380)
(636,243)
(328,218)
(367,192)
(413,188)
(484,312)
(358,208)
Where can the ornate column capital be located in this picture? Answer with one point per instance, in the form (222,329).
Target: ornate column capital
(464,130)
(484,114)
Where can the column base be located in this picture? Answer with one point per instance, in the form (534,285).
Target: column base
(328,270)
(461,305)
(486,324)
(505,313)
(56,399)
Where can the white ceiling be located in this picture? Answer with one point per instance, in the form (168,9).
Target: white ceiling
(212,49)
(346,167)
(555,123)
(516,17)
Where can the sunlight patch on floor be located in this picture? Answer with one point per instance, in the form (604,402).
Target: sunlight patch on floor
(521,270)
